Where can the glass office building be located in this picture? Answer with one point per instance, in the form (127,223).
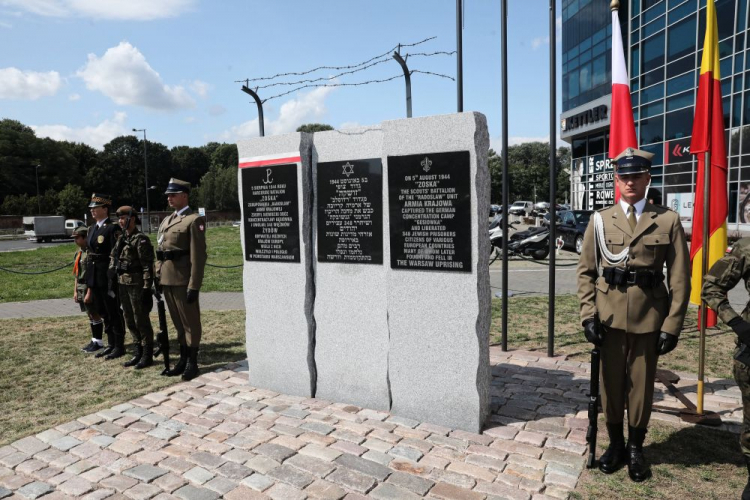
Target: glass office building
(664,42)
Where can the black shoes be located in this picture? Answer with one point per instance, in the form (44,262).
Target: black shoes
(191,369)
(136,357)
(91,347)
(616,455)
(147,359)
(106,352)
(638,468)
(179,368)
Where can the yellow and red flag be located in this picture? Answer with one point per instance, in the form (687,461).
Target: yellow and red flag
(621,124)
(708,136)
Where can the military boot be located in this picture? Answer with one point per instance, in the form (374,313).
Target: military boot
(119,349)
(191,370)
(111,342)
(746,491)
(147,359)
(616,455)
(180,366)
(136,357)
(637,466)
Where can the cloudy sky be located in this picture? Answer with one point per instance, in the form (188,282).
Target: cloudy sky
(90,70)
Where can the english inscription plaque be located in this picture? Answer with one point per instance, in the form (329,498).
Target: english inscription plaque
(429,199)
(350,211)
(271,213)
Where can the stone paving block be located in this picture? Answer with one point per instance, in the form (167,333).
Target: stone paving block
(14,459)
(69,427)
(189,492)
(325,490)
(452,443)
(80,467)
(516,448)
(352,480)
(367,467)
(454,478)
(29,466)
(405,452)
(262,464)
(524,472)
(48,473)
(291,475)
(281,491)
(561,480)
(501,432)
(30,445)
(221,485)
(170,482)
(75,486)
(323,453)
(447,491)
(15,481)
(65,443)
(486,462)
(379,457)
(562,457)
(318,428)
(234,471)
(244,493)
(96,474)
(387,491)
(503,491)
(314,466)
(416,484)
(198,475)
(175,464)
(34,490)
(274,451)
(145,472)
(258,482)
(206,460)
(142,491)
(474,471)
(100,494)
(119,483)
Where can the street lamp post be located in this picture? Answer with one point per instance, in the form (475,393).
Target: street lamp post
(38,200)
(145,177)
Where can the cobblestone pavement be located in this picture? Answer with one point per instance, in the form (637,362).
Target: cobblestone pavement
(217,436)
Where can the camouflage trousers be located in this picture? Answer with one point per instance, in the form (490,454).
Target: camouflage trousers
(742,377)
(136,316)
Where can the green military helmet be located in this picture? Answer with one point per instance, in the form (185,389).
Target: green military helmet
(127,210)
(82,231)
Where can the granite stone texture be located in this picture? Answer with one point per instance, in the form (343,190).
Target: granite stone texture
(438,321)
(279,295)
(351,352)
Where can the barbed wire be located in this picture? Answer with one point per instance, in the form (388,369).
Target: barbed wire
(334,68)
(431,73)
(322,78)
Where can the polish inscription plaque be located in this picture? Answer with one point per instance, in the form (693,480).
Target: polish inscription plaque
(271,214)
(350,211)
(430,211)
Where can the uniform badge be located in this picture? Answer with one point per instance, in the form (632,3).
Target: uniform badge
(100,239)
(201,227)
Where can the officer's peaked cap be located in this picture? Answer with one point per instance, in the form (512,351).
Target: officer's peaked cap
(100,200)
(633,161)
(177,186)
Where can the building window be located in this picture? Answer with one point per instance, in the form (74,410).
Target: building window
(679,124)
(681,38)
(653,53)
(652,130)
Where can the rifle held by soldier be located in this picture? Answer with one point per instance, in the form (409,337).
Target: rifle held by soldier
(593,408)
(162,338)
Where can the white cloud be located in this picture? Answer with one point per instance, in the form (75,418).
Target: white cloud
(217,110)
(201,88)
(305,108)
(124,75)
(539,41)
(544,40)
(27,85)
(95,136)
(74,97)
(131,10)
(3,24)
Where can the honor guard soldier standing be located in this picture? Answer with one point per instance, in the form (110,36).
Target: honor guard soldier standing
(102,236)
(181,259)
(629,311)
(82,293)
(132,261)
(722,277)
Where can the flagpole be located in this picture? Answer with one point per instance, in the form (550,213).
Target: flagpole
(506,189)
(704,270)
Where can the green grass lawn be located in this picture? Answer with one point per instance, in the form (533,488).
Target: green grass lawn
(223,244)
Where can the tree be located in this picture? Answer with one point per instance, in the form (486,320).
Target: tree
(528,169)
(72,202)
(314,127)
(189,164)
(218,189)
(18,204)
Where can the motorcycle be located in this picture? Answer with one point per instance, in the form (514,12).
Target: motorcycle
(533,242)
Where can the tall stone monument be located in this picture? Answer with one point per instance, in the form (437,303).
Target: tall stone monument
(351,338)
(438,288)
(275,195)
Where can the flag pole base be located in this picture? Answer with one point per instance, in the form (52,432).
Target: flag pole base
(707,418)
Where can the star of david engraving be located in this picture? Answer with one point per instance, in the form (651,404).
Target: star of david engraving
(426,163)
(348,169)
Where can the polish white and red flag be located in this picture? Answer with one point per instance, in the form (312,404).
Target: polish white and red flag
(621,124)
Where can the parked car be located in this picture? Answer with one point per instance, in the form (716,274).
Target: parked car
(521,208)
(571,225)
(495,209)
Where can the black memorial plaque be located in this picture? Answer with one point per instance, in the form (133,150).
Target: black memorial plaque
(350,211)
(271,214)
(429,204)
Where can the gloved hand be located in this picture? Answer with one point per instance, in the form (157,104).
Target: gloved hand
(742,329)
(192,296)
(592,333)
(147,299)
(667,343)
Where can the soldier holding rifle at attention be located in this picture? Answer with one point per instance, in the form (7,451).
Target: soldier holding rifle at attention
(132,261)
(181,259)
(628,311)
(722,277)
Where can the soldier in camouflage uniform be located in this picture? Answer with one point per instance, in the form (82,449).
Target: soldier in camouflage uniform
(722,277)
(133,261)
(82,292)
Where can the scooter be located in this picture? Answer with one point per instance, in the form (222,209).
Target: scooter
(533,242)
